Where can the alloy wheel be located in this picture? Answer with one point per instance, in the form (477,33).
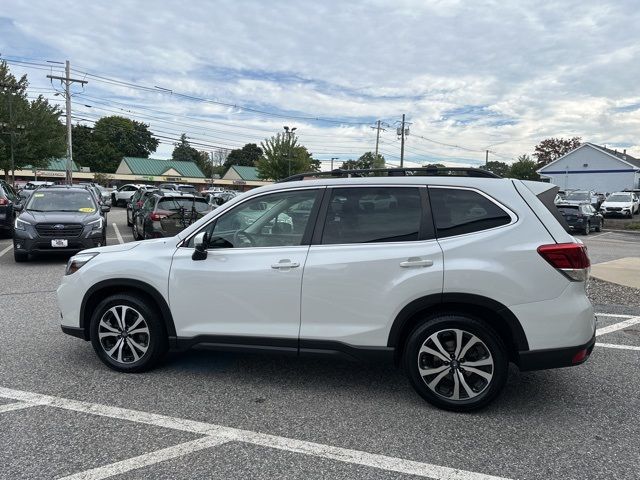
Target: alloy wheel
(455,364)
(124,334)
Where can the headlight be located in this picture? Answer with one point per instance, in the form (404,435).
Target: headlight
(96,224)
(21,224)
(76,262)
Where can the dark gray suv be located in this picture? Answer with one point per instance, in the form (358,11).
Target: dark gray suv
(63,219)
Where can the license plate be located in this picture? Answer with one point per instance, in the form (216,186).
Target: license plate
(59,243)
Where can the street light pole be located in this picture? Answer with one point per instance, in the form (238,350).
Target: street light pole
(288,132)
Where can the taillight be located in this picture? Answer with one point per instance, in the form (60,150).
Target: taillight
(159,215)
(4,201)
(569,258)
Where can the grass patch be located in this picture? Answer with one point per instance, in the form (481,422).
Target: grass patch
(632,226)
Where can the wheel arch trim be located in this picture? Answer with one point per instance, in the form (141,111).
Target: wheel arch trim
(127,284)
(406,316)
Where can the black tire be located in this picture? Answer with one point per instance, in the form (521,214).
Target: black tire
(20,257)
(157,342)
(491,344)
(136,232)
(587,228)
(599,227)
(129,222)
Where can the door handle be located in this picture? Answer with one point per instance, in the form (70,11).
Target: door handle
(285,264)
(416,262)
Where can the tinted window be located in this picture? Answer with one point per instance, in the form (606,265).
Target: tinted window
(176,204)
(568,210)
(457,212)
(373,214)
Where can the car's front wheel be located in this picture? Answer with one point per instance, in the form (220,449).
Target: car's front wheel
(456,362)
(128,334)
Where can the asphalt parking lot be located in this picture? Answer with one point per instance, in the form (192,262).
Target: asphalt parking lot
(221,415)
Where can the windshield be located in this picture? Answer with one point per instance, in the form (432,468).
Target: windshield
(619,197)
(578,196)
(61,201)
(175,204)
(187,189)
(568,209)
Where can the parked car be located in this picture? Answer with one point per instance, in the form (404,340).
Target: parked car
(136,201)
(8,200)
(165,214)
(102,194)
(121,196)
(620,203)
(179,187)
(582,218)
(216,199)
(28,189)
(59,218)
(578,197)
(463,276)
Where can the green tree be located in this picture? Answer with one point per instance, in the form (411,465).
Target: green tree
(39,134)
(283,156)
(499,168)
(184,152)
(247,156)
(366,160)
(203,160)
(551,149)
(102,147)
(524,169)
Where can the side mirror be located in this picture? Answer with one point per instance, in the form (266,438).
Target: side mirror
(219,201)
(105,208)
(200,247)
(18,207)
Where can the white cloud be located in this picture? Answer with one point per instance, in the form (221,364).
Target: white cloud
(520,71)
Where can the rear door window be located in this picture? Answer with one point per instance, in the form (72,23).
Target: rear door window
(177,204)
(373,215)
(458,212)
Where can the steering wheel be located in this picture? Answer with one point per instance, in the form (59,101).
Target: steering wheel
(247,238)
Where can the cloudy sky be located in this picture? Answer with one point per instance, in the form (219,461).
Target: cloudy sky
(469,75)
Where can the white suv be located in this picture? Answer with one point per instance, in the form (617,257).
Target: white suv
(451,276)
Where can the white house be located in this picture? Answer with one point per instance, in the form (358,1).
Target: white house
(592,167)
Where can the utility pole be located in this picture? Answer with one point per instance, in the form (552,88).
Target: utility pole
(332,159)
(402,132)
(67,81)
(378,128)
(288,133)
(486,158)
(12,130)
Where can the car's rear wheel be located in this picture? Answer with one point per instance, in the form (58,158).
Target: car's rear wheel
(136,232)
(20,257)
(456,362)
(127,333)
(129,222)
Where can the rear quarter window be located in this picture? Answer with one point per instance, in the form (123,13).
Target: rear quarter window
(458,212)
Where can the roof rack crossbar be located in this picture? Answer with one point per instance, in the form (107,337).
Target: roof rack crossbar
(395,172)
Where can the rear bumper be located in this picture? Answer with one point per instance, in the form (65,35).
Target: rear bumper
(556,357)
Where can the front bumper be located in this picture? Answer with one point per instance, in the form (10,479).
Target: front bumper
(28,241)
(556,357)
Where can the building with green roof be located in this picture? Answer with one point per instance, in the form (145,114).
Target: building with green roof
(154,167)
(239,172)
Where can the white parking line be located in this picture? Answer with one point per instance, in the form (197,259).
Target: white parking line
(6,250)
(614,315)
(617,326)
(621,347)
(115,227)
(222,433)
(10,407)
(148,459)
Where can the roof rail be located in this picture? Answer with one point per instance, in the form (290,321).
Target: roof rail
(395,172)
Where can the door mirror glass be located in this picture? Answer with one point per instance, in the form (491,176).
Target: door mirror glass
(105,208)
(18,207)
